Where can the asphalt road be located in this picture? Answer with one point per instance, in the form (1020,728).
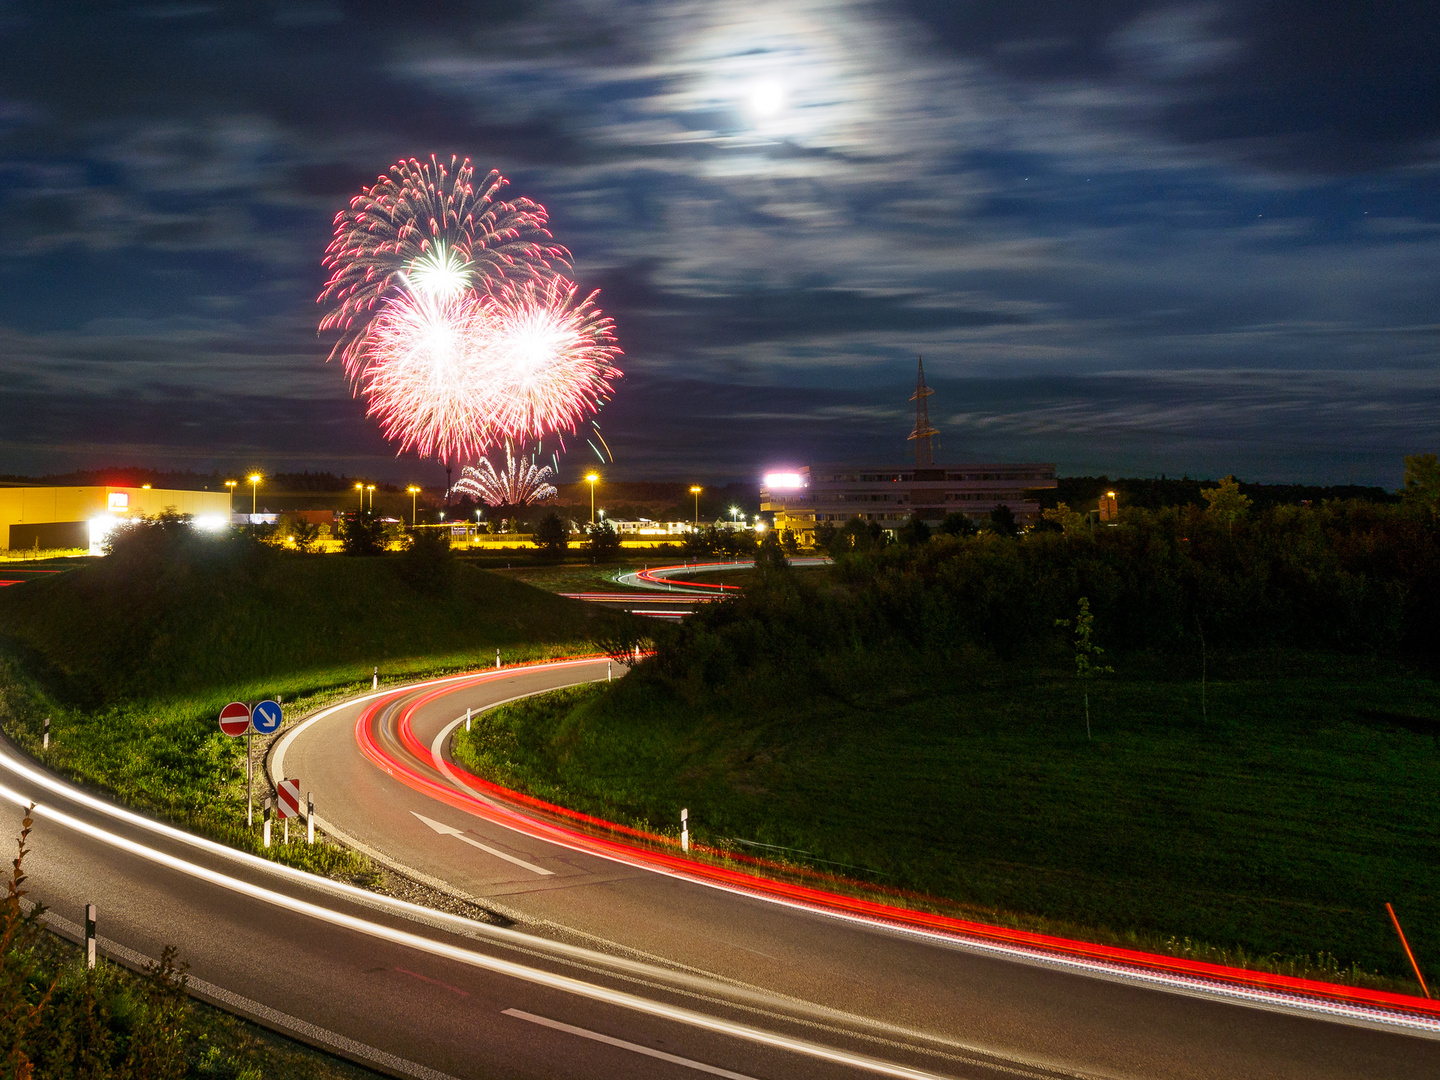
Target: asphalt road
(937,1006)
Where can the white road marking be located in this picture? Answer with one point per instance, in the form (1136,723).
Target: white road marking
(509,968)
(450,830)
(585,1033)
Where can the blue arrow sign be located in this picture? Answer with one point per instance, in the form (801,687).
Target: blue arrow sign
(265,717)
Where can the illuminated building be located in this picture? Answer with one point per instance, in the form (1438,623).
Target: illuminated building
(79,517)
(890,495)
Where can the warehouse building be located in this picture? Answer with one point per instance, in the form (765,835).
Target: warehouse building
(890,496)
(51,518)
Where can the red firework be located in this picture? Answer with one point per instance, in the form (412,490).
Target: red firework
(421,211)
(454,377)
(456,324)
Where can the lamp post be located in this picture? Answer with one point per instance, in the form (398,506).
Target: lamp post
(591,479)
(231,485)
(361,488)
(254,486)
(735,515)
(371,489)
(413,492)
(696,492)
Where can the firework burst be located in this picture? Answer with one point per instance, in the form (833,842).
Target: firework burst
(518,484)
(425,223)
(456,323)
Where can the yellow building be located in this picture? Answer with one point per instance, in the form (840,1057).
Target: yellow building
(79,517)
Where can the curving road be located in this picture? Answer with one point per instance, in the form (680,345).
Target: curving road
(594,966)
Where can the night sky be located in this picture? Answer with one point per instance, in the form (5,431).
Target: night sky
(1128,237)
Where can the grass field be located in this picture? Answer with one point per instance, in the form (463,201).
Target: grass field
(133,665)
(1270,832)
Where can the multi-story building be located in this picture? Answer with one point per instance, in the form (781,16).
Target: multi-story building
(891,495)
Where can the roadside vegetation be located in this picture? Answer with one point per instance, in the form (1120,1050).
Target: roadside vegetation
(1257,783)
(58,1019)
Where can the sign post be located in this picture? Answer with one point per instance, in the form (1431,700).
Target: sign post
(264,718)
(235,721)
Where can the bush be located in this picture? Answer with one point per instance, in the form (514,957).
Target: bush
(602,541)
(427,563)
(362,534)
(552,536)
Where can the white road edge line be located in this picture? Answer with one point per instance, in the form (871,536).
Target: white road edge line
(459,834)
(1188,986)
(509,968)
(1275,1001)
(233,1002)
(635,1048)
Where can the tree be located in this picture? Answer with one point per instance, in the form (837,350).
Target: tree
(1002,521)
(305,534)
(1087,653)
(915,531)
(1225,503)
(1068,521)
(770,558)
(428,563)
(551,535)
(602,540)
(362,534)
(789,543)
(958,524)
(1422,482)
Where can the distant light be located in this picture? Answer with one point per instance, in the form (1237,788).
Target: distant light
(255,479)
(695,490)
(210,522)
(759,526)
(144,487)
(100,528)
(784,481)
(592,477)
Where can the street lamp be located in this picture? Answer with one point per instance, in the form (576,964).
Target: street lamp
(591,478)
(371,489)
(696,492)
(413,492)
(361,488)
(231,485)
(735,514)
(254,485)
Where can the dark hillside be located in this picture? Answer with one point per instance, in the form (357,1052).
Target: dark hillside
(210,613)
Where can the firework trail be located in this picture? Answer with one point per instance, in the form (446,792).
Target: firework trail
(456,322)
(518,484)
(428,226)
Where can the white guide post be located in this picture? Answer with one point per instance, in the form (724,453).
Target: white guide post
(685,830)
(90,914)
(310,817)
(267,821)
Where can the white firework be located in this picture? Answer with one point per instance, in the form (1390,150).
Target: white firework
(520,483)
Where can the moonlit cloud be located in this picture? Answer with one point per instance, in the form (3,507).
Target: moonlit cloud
(1135,228)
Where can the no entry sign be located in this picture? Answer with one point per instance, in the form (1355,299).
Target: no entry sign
(235,718)
(289,801)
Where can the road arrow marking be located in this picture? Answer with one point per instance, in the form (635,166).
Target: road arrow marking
(450,830)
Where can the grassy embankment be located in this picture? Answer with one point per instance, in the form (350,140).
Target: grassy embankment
(1268,830)
(133,658)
